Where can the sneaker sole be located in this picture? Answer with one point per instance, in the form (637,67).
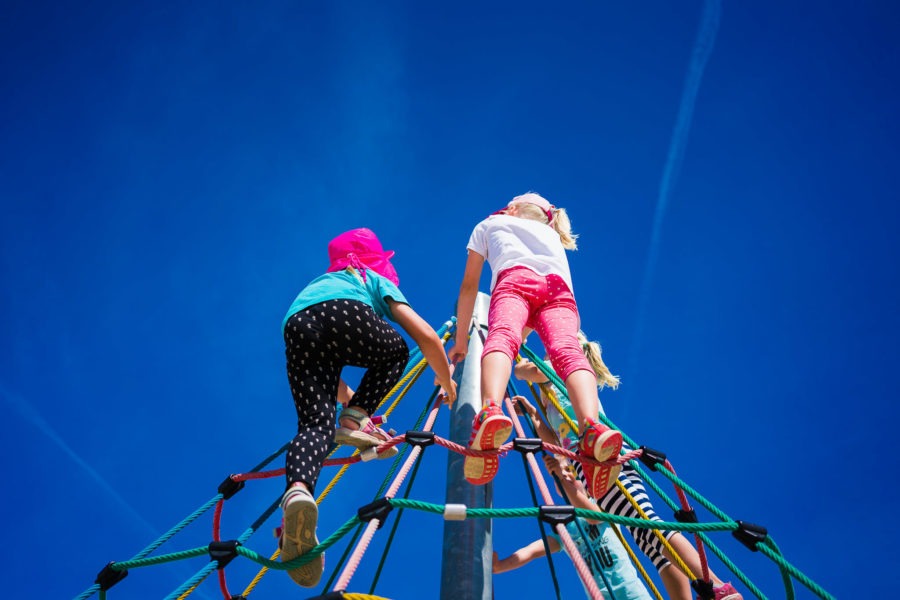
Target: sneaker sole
(601,479)
(300,517)
(607,445)
(479,470)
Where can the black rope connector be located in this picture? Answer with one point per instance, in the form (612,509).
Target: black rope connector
(423,439)
(230,487)
(526,445)
(223,552)
(704,589)
(329,596)
(562,513)
(652,458)
(750,535)
(378,509)
(109,577)
(686,516)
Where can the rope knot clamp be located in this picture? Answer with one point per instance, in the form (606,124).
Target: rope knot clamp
(556,514)
(110,576)
(526,445)
(750,535)
(230,487)
(378,509)
(687,515)
(223,552)
(330,596)
(423,439)
(652,458)
(704,589)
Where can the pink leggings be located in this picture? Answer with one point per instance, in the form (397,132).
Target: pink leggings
(523,298)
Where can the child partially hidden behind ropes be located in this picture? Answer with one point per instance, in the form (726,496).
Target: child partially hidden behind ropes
(613,571)
(338,320)
(615,500)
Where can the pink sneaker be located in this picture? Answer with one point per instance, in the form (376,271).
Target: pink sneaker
(602,444)
(490,430)
(725,591)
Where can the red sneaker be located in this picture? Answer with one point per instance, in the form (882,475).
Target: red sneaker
(725,591)
(602,444)
(490,430)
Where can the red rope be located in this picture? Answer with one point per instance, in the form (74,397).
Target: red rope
(686,506)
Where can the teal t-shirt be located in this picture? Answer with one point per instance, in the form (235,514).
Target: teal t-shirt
(603,552)
(348,285)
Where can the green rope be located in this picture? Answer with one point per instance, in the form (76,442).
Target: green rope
(307,557)
(161,559)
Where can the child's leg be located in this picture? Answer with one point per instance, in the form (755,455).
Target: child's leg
(556,323)
(507,316)
(313,378)
(384,353)
(376,346)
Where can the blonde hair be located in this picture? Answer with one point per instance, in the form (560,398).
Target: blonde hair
(561,223)
(593,353)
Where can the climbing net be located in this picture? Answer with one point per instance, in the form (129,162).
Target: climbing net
(362,526)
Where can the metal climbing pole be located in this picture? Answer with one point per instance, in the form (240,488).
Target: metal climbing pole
(468,547)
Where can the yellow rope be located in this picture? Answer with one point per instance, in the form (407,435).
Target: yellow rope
(194,587)
(255,581)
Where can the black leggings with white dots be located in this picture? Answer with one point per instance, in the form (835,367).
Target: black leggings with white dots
(319,342)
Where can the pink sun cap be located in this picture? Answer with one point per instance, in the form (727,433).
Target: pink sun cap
(537,200)
(361,249)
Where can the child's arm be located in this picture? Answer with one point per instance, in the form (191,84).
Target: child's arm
(528,371)
(543,431)
(573,488)
(523,556)
(465,305)
(428,341)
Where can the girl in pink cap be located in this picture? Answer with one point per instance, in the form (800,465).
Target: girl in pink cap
(339,319)
(531,289)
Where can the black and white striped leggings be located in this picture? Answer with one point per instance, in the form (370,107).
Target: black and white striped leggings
(319,342)
(616,503)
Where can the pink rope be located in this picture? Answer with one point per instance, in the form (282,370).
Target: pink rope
(358,552)
(571,549)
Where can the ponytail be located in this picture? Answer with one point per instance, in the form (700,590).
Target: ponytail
(593,353)
(563,227)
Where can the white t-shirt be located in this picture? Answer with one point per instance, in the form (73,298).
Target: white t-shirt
(507,242)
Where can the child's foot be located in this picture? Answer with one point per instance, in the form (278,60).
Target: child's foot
(367,436)
(490,429)
(725,591)
(602,444)
(298,535)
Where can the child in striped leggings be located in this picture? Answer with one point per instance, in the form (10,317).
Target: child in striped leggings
(614,501)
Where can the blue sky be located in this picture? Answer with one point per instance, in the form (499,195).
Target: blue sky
(171,174)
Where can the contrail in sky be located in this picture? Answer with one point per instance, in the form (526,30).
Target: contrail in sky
(706,37)
(30,414)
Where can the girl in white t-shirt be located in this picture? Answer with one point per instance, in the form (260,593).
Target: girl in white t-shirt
(531,288)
